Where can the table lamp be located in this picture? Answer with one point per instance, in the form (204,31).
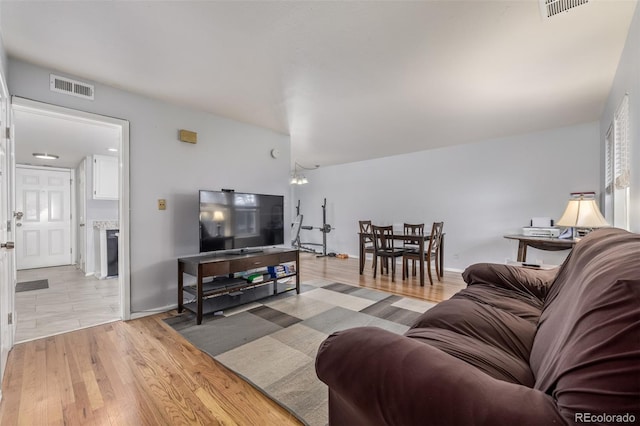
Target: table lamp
(582,212)
(218,217)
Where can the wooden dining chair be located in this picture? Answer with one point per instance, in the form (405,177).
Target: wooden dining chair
(411,247)
(433,250)
(367,241)
(385,249)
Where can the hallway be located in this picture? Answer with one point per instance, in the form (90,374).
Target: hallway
(71,302)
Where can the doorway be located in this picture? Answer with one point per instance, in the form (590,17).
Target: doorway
(71,139)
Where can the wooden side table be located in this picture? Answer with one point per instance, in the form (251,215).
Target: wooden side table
(540,243)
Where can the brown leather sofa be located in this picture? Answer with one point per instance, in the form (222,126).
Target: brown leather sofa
(516,347)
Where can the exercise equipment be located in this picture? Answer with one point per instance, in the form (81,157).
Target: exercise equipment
(295,232)
(297,226)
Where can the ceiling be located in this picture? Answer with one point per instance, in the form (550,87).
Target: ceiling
(347,80)
(68,137)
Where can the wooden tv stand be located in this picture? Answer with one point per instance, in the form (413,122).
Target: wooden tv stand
(222,267)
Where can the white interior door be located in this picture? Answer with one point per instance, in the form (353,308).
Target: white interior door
(43,231)
(7,262)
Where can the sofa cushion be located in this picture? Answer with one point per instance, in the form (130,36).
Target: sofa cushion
(586,352)
(377,377)
(530,284)
(491,324)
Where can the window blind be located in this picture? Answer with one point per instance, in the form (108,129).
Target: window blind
(621,166)
(608,159)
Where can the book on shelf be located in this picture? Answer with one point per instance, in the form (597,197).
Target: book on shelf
(255,278)
(279,271)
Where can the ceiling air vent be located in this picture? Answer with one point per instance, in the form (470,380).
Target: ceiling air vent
(551,8)
(70,87)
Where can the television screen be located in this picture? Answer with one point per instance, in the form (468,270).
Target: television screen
(234,220)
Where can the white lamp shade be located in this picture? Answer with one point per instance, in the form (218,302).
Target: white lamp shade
(299,180)
(581,213)
(218,216)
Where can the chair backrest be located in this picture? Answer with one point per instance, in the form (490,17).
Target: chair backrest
(365,229)
(383,237)
(436,237)
(411,229)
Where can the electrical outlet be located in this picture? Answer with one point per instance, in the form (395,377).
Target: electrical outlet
(162,204)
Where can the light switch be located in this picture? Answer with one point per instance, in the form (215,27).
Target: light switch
(162,204)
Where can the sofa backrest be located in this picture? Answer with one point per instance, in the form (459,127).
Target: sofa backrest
(586,352)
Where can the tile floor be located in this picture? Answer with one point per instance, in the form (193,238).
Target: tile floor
(71,302)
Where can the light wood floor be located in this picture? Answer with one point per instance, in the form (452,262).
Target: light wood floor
(142,372)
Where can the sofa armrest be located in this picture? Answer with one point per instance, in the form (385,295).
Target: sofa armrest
(531,281)
(376,377)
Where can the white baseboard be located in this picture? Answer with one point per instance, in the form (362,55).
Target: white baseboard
(142,314)
(399,261)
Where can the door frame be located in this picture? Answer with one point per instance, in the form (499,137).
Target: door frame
(80,211)
(124,271)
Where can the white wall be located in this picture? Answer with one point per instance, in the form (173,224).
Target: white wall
(3,60)
(228,155)
(481,191)
(627,80)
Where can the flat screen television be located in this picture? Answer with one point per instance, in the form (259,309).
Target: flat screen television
(234,220)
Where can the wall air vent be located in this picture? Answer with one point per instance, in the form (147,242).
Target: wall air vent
(551,8)
(70,87)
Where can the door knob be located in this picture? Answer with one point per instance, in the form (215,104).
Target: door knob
(18,215)
(8,245)
(18,224)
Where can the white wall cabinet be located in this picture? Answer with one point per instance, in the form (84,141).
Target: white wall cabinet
(105,177)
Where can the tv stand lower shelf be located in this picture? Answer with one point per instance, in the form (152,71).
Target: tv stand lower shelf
(224,288)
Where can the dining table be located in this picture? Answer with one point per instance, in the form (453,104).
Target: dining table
(413,239)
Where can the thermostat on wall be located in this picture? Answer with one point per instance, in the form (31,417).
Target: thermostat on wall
(275,153)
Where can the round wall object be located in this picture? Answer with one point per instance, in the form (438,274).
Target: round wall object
(275,153)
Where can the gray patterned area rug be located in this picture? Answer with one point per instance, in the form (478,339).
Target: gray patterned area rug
(273,343)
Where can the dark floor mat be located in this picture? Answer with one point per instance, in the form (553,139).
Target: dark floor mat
(32,285)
